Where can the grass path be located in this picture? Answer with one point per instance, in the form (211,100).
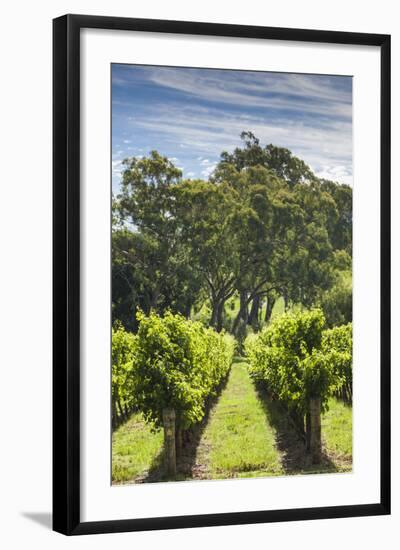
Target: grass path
(245,435)
(238,440)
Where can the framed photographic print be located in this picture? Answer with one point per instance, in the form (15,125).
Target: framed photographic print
(221,274)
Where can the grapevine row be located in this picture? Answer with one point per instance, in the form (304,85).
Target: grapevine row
(302,365)
(171,364)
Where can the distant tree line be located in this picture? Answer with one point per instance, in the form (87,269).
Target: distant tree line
(263,226)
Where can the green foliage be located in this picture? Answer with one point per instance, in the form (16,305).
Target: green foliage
(262,225)
(287,356)
(342,261)
(337,346)
(319,377)
(203,314)
(123,373)
(152,265)
(205,212)
(341,230)
(241,335)
(337,302)
(146,195)
(277,159)
(134,275)
(179,364)
(239,440)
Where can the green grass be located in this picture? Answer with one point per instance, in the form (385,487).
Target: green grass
(135,448)
(336,436)
(279,308)
(240,441)
(337,430)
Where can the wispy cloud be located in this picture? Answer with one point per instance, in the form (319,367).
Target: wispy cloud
(266,90)
(336,173)
(310,93)
(194,114)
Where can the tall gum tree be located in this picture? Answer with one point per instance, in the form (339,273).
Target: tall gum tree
(206,213)
(290,251)
(147,206)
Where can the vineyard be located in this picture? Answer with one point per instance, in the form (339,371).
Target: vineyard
(182,399)
(232,319)
(302,366)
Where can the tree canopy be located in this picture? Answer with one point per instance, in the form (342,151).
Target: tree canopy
(262,226)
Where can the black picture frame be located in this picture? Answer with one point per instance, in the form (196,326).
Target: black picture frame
(66,273)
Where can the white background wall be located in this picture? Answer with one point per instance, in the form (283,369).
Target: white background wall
(25,289)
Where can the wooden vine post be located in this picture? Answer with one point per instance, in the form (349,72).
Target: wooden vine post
(308,431)
(178,441)
(314,425)
(169,441)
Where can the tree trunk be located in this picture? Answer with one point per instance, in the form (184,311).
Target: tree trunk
(253,317)
(269,307)
(315,430)
(242,313)
(120,410)
(244,306)
(214,313)
(178,442)
(169,442)
(349,392)
(235,323)
(298,421)
(220,315)
(217,314)
(286,300)
(114,413)
(308,431)
(154,299)
(187,309)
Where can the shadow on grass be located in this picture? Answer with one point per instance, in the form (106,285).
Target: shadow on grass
(290,444)
(186,464)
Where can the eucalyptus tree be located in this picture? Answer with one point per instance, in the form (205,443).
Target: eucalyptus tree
(206,213)
(310,263)
(134,275)
(280,235)
(260,226)
(263,226)
(341,230)
(158,261)
(276,252)
(279,160)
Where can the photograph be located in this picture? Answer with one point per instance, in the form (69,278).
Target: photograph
(231,274)
(203,343)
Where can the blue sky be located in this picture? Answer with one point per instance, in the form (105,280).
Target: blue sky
(191,115)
